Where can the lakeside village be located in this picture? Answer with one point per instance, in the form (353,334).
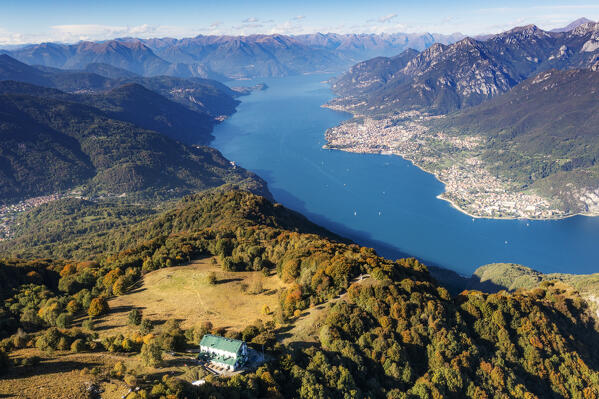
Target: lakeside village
(453,160)
(10,212)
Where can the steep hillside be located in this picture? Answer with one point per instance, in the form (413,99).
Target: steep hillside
(542,134)
(52,144)
(135,104)
(11,69)
(149,110)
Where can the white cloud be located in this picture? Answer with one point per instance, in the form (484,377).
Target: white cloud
(250,20)
(299,17)
(387,18)
(94,32)
(69,33)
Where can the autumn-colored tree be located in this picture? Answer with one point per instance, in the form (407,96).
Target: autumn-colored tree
(111,277)
(98,307)
(151,354)
(120,286)
(73,306)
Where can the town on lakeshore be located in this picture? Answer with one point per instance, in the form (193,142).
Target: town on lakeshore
(454,160)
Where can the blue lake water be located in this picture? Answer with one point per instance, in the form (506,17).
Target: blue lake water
(383,201)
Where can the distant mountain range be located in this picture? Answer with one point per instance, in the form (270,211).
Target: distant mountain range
(201,95)
(225,57)
(444,78)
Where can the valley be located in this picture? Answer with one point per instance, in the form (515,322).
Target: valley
(220,216)
(382,200)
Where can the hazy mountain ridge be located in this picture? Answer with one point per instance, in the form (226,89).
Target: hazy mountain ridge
(225,57)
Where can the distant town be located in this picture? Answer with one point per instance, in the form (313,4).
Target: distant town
(454,160)
(10,212)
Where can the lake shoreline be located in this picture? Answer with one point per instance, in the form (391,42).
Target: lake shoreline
(383,202)
(368,147)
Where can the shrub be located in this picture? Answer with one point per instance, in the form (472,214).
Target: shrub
(48,341)
(20,339)
(118,370)
(145,327)
(73,306)
(88,324)
(98,307)
(77,346)
(30,361)
(63,320)
(151,354)
(120,286)
(210,278)
(135,317)
(130,380)
(256,287)
(63,343)
(194,335)
(172,336)
(249,332)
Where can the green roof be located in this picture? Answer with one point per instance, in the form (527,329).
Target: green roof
(230,361)
(222,343)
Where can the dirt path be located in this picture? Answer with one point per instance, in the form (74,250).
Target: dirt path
(307,327)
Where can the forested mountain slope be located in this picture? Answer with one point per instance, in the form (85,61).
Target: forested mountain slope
(50,144)
(396,333)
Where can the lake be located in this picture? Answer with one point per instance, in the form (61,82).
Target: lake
(383,201)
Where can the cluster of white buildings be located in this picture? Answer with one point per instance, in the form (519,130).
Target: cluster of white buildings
(454,160)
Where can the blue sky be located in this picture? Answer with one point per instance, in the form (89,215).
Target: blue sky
(27,21)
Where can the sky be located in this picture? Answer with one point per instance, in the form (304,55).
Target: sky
(34,21)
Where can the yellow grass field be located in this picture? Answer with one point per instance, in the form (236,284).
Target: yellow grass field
(183,293)
(60,376)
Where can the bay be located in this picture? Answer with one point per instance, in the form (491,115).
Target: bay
(383,201)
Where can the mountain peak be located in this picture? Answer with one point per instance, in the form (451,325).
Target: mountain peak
(572,25)
(467,42)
